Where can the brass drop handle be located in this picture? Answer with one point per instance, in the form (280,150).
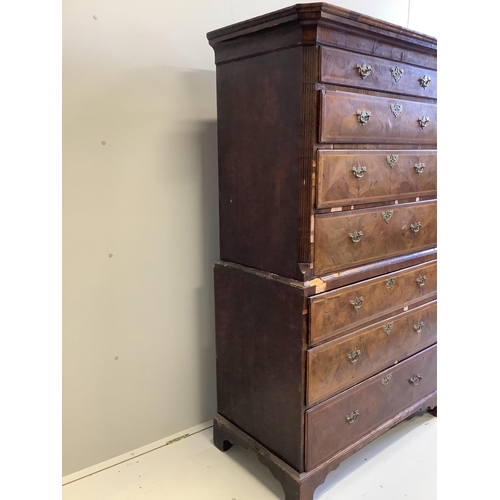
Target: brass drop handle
(415,380)
(421,280)
(357,303)
(425,81)
(356,236)
(415,227)
(418,327)
(363,116)
(364,70)
(385,380)
(354,356)
(358,171)
(423,121)
(352,417)
(419,168)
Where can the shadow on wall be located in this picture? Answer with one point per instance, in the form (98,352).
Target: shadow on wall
(140,185)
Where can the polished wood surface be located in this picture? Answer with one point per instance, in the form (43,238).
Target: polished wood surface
(340,123)
(332,313)
(342,363)
(335,250)
(341,67)
(328,428)
(414,174)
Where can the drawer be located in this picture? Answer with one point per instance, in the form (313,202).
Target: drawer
(374,73)
(356,177)
(344,419)
(348,308)
(342,363)
(356,237)
(358,118)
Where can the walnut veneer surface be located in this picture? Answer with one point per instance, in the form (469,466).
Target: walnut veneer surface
(326,293)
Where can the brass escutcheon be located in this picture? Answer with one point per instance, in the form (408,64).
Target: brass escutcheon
(389,283)
(364,70)
(352,417)
(415,227)
(421,281)
(358,171)
(418,327)
(385,380)
(397,73)
(392,159)
(356,236)
(354,356)
(425,81)
(419,168)
(396,109)
(363,116)
(387,215)
(357,303)
(388,328)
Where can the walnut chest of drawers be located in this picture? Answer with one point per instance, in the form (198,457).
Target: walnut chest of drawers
(326,290)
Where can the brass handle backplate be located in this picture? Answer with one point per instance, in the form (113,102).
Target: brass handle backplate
(425,81)
(418,327)
(423,121)
(354,356)
(364,70)
(415,227)
(356,236)
(419,168)
(352,417)
(357,302)
(358,171)
(415,380)
(363,116)
(421,280)
(385,380)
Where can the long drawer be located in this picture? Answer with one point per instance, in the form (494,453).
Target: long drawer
(368,72)
(358,118)
(356,177)
(344,419)
(351,238)
(344,362)
(348,308)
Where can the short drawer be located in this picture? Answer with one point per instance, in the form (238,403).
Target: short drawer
(349,308)
(358,118)
(342,363)
(357,70)
(356,237)
(356,177)
(344,419)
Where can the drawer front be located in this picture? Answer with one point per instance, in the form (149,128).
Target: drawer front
(348,239)
(348,308)
(359,118)
(356,177)
(362,71)
(342,363)
(347,417)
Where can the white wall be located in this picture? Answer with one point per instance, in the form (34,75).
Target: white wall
(140,227)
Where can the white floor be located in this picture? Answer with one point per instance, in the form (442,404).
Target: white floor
(399,465)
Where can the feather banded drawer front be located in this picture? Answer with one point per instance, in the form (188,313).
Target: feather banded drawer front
(326,289)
